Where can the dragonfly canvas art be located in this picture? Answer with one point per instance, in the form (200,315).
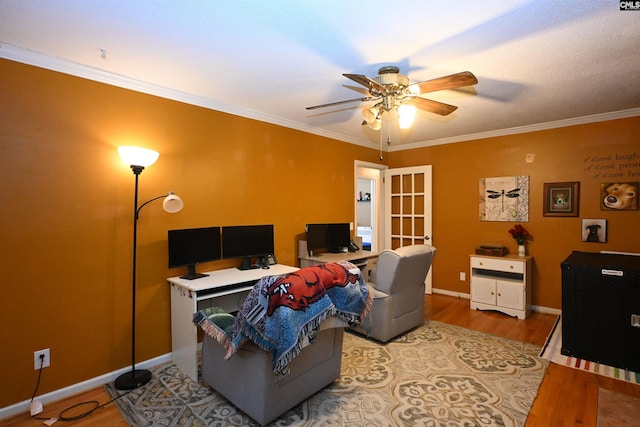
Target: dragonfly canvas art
(504,198)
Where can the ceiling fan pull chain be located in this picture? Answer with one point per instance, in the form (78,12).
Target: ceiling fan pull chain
(388,130)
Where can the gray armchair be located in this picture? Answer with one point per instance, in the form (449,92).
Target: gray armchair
(398,292)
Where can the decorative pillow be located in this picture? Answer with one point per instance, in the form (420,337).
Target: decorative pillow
(216,323)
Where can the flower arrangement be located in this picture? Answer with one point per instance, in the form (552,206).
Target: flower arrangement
(519,233)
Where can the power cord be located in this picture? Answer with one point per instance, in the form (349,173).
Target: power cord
(39,375)
(61,416)
(35,406)
(95,403)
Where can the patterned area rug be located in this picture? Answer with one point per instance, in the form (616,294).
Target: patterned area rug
(551,352)
(435,375)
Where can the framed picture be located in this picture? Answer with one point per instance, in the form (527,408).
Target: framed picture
(561,198)
(619,196)
(504,198)
(594,230)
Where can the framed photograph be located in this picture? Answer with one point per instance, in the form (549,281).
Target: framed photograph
(561,198)
(594,230)
(619,196)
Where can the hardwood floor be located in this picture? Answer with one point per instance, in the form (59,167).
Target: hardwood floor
(567,397)
(106,416)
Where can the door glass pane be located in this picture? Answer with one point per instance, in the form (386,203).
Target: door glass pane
(395,184)
(407,227)
(395,226)
(418,225)
(419,205)
(407,207)
(407,185)
(419,182)
(395,205)
(395,243)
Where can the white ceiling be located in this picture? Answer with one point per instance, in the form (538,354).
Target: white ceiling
(540,64)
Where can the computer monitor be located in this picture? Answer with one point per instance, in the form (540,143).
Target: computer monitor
(191,246)
(246,242)
(338,237)
(316,238)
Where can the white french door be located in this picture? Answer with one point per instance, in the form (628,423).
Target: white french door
(407,209)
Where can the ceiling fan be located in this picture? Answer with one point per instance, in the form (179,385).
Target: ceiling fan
(393,91)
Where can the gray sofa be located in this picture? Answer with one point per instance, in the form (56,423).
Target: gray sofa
(398,292)
(247,379)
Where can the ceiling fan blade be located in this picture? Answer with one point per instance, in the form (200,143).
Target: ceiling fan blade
(452,81)
(365,81)
(359,89)
(433,106)
(331,104)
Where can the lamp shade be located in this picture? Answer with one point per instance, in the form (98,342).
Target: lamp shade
(172,203)
(138,156)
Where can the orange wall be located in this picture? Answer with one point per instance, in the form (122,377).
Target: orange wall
(68,207)
(583,153)
(68,212)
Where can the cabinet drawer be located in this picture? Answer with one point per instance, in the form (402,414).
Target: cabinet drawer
(507,265)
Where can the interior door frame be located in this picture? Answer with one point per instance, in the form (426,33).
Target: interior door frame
(383,205)
(375,172)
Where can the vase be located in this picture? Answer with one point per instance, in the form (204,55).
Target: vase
(521,250)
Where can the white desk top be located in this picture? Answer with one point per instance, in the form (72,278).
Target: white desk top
(343,256)
(229,276)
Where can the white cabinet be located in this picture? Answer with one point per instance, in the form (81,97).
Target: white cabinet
(502,284)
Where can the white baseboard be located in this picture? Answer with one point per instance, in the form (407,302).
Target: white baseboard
(451,293)
(72,390)
(546,310)
(536,308)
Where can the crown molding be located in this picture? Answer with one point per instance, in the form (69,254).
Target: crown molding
(65,66)
(634,112)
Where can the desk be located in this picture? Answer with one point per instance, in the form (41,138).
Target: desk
(226,289)
(365,260)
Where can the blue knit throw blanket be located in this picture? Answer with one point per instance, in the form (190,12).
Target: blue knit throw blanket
(282,313)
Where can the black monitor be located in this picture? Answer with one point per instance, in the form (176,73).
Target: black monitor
(247,241)
(316,238)
(192,246)
(338,237)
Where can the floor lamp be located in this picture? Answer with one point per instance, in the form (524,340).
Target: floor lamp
(139,158)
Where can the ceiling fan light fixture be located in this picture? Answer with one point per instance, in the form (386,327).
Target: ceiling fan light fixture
(406,115)
(370,114)
(392,90)
(414,89)
(375,124)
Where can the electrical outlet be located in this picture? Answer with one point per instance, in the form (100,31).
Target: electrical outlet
(463,276)
(36,358)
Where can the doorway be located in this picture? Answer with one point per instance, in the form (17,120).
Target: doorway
(398,212)
(369,202)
